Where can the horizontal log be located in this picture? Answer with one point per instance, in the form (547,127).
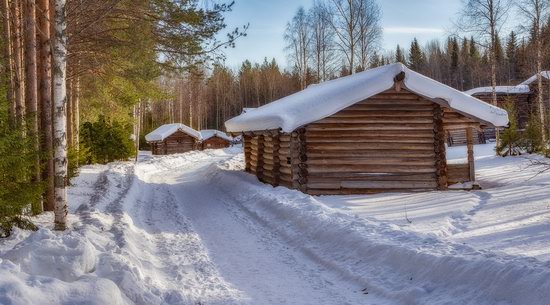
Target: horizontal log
(373,139)
(327,177)
(391,107)
(350,113)
(426,133)
(377,120)
(336,153)
(377,146)
(379,169)
(373,185)
(370,127)
(395,96)
(371,161)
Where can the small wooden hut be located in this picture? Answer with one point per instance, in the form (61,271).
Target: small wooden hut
(379,130)
(214,139)
(173,139)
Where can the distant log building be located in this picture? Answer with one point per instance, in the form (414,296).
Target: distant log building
(375,131)
(214,139)
(173,139)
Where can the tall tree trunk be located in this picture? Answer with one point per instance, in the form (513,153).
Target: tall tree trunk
(60,115)
(70,111)
(8,60)
(76,116)
(31,88)
(540,88)
(46,102)
(18,62)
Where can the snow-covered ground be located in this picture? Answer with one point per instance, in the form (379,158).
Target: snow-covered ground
(195,229)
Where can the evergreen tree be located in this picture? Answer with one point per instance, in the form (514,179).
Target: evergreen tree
(399,56)
(416,56)
(511,57)
(510,139)
(532,137)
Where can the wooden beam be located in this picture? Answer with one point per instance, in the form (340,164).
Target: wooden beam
(470,145)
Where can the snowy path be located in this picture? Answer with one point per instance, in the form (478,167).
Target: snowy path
(195,229)
(253,260)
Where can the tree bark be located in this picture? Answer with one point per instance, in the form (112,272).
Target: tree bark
(31,88)
(18,62)
(8,60)
(45,91)
(60,115)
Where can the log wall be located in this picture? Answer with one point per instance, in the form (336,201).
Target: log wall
(215,143)
(394,141)
(179,142)
(385,143)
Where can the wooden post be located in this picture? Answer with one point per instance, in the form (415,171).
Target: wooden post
(260,163)
(299,160)
(470,145)
(247,149)
(439,148)
(276,161)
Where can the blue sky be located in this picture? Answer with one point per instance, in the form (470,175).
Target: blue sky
(402,21)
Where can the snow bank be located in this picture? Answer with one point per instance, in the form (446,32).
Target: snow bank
(519,89)
(19,288)
(165,131)
(403,266)
(66,257)
(325,99)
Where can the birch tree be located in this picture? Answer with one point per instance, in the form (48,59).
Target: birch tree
(536,13)
(485,19)
(298,41)
(369,30)
(322,41)
(60,115)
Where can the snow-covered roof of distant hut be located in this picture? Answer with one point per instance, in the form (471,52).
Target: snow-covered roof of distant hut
(164,131)
(532,79)
(519,89)
(210,133)
(323,100)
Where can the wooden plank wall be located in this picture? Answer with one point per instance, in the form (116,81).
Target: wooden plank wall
(215,143)
(247,147)
(385,143)
(179,142)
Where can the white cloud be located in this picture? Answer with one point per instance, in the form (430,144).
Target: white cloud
(412,30)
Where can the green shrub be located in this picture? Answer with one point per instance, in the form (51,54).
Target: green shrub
(105,141)
(18,189)
(532,136)
(510,139)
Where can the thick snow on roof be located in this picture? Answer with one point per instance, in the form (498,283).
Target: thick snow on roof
(210,133)
(532,79)
(165,131)
(326,99)
(519,89)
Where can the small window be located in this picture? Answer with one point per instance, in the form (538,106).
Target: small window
(288,160)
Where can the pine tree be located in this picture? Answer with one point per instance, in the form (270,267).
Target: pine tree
(511,57)
(399,56)
(510,139)
(416,56)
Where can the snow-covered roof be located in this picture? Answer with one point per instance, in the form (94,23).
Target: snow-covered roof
(519,89)
(245,110)
(532,79)
(167,130)
(326,99)
(210,133)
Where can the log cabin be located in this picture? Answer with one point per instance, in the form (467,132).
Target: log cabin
(376,131)
(214,139)
(524,97)
(173,139)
